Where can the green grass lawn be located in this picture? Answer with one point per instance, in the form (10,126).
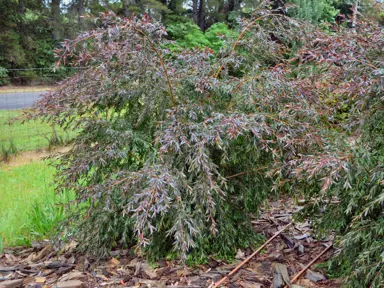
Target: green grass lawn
(28,206)
(33,135)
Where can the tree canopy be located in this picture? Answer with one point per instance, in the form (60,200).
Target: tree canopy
(30,30)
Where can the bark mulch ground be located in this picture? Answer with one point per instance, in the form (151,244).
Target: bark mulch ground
(45,265)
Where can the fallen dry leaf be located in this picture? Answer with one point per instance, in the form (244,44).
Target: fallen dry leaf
(114,261)
(40,280)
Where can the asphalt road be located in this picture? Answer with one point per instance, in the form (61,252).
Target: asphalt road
(18,100)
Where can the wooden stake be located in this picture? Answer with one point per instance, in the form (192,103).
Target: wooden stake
(249,258)
(294,279)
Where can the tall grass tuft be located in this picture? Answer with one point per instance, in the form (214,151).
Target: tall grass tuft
(44,217)
(29,207)
(7,151)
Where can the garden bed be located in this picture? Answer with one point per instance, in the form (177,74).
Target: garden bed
(49,265)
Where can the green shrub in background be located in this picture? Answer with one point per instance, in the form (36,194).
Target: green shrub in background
(189,35)
(382,18)
(3,76)
(315,11)
(215,33)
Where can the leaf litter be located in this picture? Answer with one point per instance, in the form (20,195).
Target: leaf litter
(46,265)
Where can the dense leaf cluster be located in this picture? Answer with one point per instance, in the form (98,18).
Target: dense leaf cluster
(178,150)
(350,71)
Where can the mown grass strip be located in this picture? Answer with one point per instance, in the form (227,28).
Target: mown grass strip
(16,137)
(7,90)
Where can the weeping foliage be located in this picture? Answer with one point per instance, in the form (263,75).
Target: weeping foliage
(352,172)
(176,152)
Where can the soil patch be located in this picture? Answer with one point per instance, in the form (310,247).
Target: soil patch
(28,157)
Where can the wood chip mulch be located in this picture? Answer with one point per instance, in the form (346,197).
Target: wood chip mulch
(45,265)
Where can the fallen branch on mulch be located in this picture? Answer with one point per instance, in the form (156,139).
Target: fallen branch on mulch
(215,285)
(294,279)
(50,265)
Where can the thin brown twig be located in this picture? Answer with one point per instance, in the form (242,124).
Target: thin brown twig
(239,85)
(70,45)
(215,285)
(237,174)
(245,80)
(276,119)
(162,64)
(294,279)
(245,172)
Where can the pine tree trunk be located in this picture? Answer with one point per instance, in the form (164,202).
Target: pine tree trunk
(141,5)
(202,15)
(278,5)
(236,5)
(55,17)
(172,5)
(195,11)
(22,6)
(233,5)
(355,9)
(125,4)
(81,11)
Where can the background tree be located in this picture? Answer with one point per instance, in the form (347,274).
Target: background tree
(56,20)
(30,30)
